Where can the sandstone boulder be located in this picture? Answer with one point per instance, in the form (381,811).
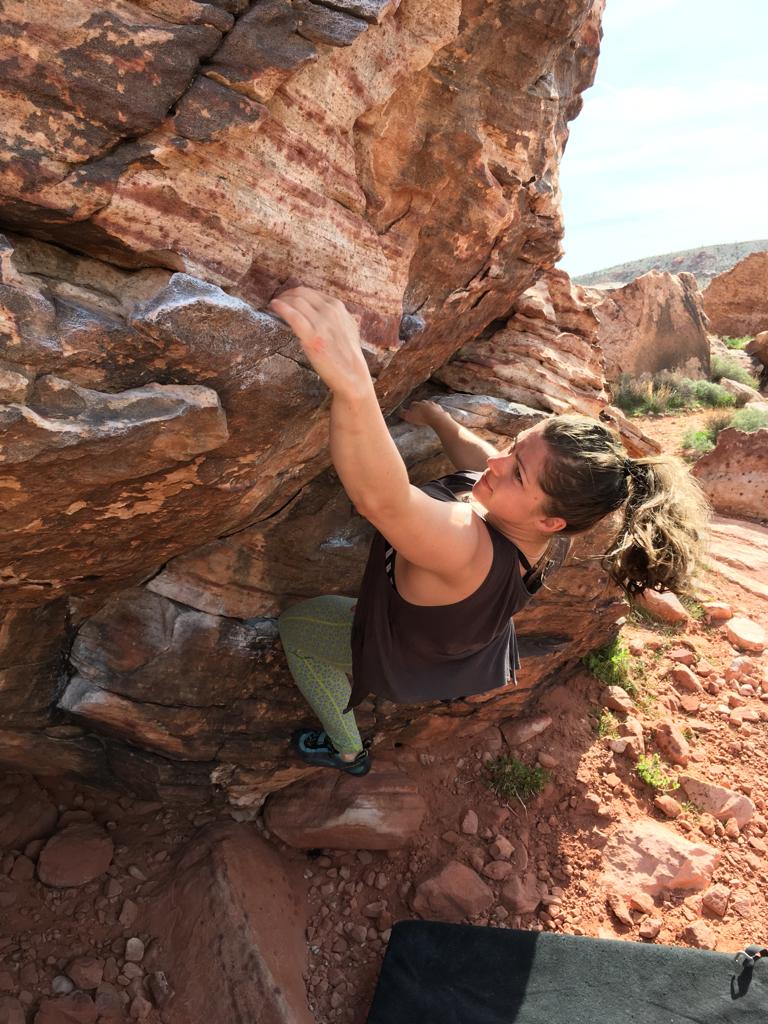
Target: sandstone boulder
(717,800)
(11,1011)
(76,1008)
(734,475)
(736,301)
(654,323)
(454,893)
(545,357)
(742,393)
(235,902)
(75,856)
(649,856)
(383,810)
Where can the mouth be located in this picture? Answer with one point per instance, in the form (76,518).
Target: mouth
(485,479)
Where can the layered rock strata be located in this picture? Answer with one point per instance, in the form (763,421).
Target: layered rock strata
(164,478)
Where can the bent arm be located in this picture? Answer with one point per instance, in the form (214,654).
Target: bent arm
(444,537)
(464,448)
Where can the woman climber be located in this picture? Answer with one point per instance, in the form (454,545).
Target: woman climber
(444,575)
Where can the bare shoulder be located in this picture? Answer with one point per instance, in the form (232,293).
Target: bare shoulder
(442,538)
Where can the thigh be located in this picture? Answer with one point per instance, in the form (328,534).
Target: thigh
(320,628)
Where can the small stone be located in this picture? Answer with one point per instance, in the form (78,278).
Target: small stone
(618,907)
(547,760)
(642,901)
(62,985)
(700,935)
(132,971)
(732,829)
(23,869)
(715,899)
(128,914)
(668,805)
(76,1008)
(683,655)
(617,699)
(517,731)
(140,1008)
(113,888)
(501,848)
(86,972)
(745,634)
(498,870)
(650,928)
(686,679)
(666,607)
(134,950)
(470,823)
(716,611)
(135,872)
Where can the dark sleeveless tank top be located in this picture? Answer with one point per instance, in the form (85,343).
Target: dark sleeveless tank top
(412,653)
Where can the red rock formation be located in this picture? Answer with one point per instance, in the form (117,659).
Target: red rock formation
(654,323)
(734,474)
(736,302)
(165,439)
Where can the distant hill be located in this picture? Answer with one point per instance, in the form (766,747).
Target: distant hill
(706,263)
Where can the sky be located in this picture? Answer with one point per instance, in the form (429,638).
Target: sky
(670,150)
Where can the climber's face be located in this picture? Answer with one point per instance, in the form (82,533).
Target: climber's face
(509,488)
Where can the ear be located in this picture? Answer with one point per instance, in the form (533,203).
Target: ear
(551,524)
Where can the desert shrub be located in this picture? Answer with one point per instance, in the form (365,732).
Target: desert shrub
(612,665)
(749,420)
(711,395)
(510,779)
(650,768)
(668,393)
(703,440)
(721,366)
(737,343)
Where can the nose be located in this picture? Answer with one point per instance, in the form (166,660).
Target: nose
(496,463)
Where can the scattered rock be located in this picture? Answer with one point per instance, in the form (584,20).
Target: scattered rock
(86,972)
(648,856)
(700,935)
(671,742)
(77,1008)
(517,731)
(75,856)
(453,893)
(523,894)
(686,679)
(650,928)
(668,805)
(745,634)
(618,907)
(664,607)
(617,699)
(381,811)
(715,899)
(498,870)
(716,611)
(722,803)
(501,848)
(470,823)
(26,813)
(134,950)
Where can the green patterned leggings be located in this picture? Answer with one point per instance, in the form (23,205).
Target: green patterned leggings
(316,636)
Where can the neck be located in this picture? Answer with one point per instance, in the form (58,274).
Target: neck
(531,542)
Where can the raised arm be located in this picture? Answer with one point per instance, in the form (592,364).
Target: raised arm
(463,447)
(444,537)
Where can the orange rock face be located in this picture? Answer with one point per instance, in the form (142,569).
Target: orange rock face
(167,167)
(655,322)
(734,474)
(736,302)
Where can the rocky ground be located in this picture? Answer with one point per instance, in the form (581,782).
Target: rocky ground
(75,945)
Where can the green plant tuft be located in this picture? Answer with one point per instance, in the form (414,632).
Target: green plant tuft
(668,393)
(510,779)
(650,768)
(612,665)
(608,725)
(738,343)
